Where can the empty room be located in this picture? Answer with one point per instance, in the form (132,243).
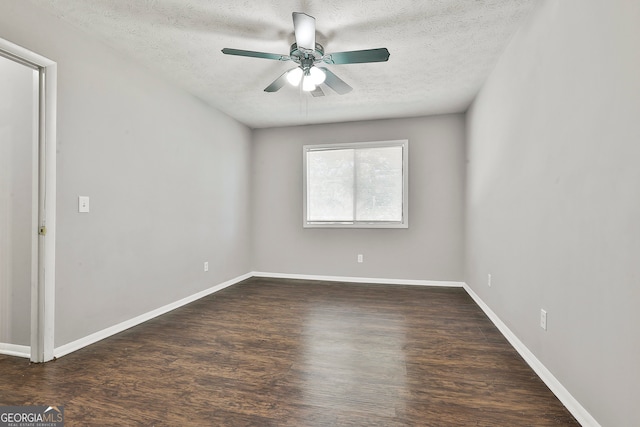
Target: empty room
(306,213)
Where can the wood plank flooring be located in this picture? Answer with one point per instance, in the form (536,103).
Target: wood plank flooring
(274,352)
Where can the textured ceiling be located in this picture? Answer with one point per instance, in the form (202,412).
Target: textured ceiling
(441,51)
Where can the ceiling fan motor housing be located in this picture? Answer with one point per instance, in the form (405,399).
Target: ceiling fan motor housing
(305,57)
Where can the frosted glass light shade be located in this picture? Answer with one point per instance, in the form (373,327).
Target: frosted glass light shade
(317,75)
(294,76)
(307,84)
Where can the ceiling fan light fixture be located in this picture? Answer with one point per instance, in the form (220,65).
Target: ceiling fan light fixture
(294,76)
(306,53)
(317,75)
(307,84)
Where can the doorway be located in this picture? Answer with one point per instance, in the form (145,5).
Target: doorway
(19,96)
(27,208)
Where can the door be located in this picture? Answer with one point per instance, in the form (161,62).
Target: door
(19,93)
(28,202)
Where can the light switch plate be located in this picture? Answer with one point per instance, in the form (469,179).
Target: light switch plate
(83,204)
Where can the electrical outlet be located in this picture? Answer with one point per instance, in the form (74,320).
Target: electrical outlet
(360,258)
(489,279)
(206,266)
(543,319)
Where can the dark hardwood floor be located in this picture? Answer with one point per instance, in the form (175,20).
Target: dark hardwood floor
(273,352)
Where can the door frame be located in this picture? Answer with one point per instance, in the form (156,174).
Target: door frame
(43,288)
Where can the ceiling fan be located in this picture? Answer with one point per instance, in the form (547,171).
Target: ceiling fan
(308,55)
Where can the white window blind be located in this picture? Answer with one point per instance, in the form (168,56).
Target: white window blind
(356,185)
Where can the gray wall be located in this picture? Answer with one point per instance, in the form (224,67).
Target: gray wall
(430,249)
(16,162)
(553,203)
(167,175)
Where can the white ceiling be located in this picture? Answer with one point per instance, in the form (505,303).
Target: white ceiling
(441,51)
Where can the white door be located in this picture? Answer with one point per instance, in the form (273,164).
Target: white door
(19,92)
(27,216)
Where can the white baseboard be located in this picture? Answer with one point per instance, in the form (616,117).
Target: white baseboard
(576,409)
(359,279)
(105,333)
(15,350)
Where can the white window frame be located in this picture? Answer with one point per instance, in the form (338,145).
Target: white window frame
(404,223)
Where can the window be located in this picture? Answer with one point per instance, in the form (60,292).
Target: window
(357,185)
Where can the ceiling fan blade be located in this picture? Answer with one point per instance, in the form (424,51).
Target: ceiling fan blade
(252,54)
(317,92)
(278,83)
(335,82)
(357,56)
(305,29)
